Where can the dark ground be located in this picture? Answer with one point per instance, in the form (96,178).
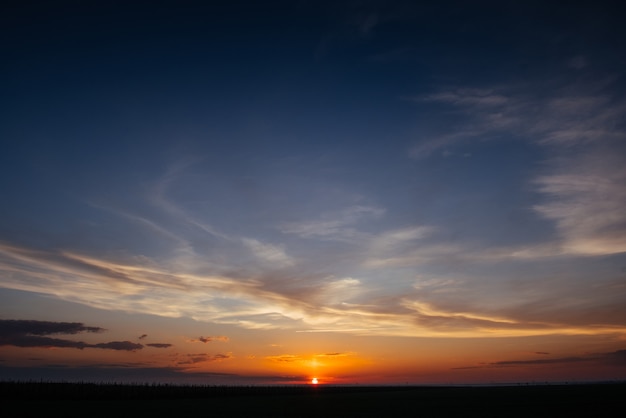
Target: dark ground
(34,399)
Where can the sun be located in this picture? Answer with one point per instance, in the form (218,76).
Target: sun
(314,381)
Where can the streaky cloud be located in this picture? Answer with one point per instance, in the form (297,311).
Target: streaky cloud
(11,327)
(614,358)
(29,333)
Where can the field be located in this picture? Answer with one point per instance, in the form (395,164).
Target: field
(36,399)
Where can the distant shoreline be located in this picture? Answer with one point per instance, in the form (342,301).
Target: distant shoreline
(91,390)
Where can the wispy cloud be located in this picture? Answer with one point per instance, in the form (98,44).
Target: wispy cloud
(467,97)
(415,256)
(337,226)
(390,240)
(9,327)
(271,254)
(256,302)
(615,358)
(567,117)
(292,358)
(581,131)
(586,198)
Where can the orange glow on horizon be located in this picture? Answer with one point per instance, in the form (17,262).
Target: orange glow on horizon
(314,381)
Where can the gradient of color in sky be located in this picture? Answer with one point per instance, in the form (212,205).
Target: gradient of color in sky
(266,192)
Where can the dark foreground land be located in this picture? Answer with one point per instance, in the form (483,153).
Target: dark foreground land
(35,399)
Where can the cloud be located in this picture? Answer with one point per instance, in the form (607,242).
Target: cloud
(271,254)
(159,345)
(209,339)
(12,327)
(28,333)
(582,182)
(118,345)
(485,113)
(291,358)
(586,197)
(415,256)
(615,358)
(141,337)
(316,303)
(570,116)
(203,358)
(284,358)
(337,226)
(467,97)
(334,355)
(390,241)
(136,374)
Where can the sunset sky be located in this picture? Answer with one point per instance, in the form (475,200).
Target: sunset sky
(372,192)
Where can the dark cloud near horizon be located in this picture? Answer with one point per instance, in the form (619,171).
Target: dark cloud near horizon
(617,358)
(130,374)
(31,333)
(159,345)
(204,357)
(118,345)
(26,326)
(210,339)
(614,358)
(142,336)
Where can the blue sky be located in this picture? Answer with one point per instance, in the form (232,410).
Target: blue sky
(372,169)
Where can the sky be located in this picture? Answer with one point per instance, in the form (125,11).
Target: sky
(362,192)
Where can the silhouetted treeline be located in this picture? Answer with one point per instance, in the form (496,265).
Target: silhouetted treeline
(86,391)
(67,391)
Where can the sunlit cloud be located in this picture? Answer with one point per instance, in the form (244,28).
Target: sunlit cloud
(292,358)
(191,359)
(247,303)
(385,178)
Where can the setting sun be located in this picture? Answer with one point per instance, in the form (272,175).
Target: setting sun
(314,381)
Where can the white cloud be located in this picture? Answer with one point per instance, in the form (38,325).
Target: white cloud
(246,302)
(391,240)
(587,200)
(270,253)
